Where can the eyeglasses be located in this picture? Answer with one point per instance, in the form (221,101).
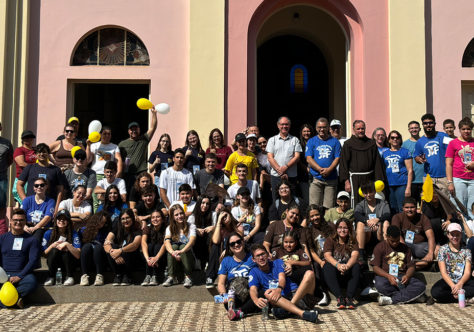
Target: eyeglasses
(69,131)
(39,185)
(394,137)
(235,243)
(263,254)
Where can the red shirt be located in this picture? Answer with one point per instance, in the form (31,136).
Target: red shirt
(29,156)
(222,156)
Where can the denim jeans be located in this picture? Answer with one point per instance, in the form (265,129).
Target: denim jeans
(25,286)
(465,193)
(397,196)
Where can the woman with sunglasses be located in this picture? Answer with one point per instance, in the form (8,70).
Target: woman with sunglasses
(342,269)
(39,209)
(78,207)
(233,273)
(218,147)
(399,169)
(62,248)
(61,150)
(122,247)
(161,158)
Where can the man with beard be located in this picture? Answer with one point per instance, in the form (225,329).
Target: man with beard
(360,161)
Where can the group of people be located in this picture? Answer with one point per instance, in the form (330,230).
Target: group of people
(278,221)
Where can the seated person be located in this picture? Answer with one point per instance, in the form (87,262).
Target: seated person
(416,232)
(153,248)
(185,199)
(113,203)
(110,172)
(19,253)
(247,213)
(209,174)
(341,269)
(243,181)
(39,209)
(285,198)
(438,218)
(143,180)
(268,284)
(147,205)
(233,273)
(394,269)
(372,216)
(455,264)
(180,237)
(342,210)
(62,248)
(79,208)
(122,247)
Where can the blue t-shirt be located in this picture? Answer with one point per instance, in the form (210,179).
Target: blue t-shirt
(397,173)
(233,269)
(76,240)
(113,211)
(418,169)
(35,212)
(262,279)
(18,253)
(382,150)
(434,150)
(323,153)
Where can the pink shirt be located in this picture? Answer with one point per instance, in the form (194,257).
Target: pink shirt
(462,153)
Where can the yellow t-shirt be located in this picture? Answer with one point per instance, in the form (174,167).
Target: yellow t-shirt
(235,159)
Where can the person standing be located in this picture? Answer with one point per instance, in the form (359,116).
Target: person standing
(134,149)
(323,153)
(23,156)
(283,151)
(418,169)
(6,159)
(430,151)
(360,161)
(449,127)
(335,129)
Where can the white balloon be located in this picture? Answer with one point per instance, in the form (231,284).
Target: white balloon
(3,276)
(95,125)
(162,108)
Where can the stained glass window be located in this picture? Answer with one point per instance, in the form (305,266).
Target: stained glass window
(111,47)
(468,57)
(298,79)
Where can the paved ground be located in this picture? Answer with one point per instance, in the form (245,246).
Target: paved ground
(207,316)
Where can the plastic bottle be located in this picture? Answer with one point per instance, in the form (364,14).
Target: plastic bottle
(59,277)
(462,298)
(265,312)
(231,299)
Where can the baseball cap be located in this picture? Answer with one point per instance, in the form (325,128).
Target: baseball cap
(133,124)
(27,134)
(343,194)
(454,227)
(72,119)
(249,136)
(335,123)
(239,137)
(64,213)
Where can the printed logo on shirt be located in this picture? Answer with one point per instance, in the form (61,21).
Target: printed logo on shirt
(44,242)
(77,242)
(324,151)
(250,278)
(78,182)
(44,176)
(393,161)
(240,271)
(432,147)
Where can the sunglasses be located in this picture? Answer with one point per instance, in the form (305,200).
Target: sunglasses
(427,123)
(394,137)
(69,131)
(235,243)
(39,185)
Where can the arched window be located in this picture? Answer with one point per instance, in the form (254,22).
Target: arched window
(468,57)
(111,47)
(298,79)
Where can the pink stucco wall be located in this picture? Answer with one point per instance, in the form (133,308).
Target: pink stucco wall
(366,24)
(162,25)
(452,28)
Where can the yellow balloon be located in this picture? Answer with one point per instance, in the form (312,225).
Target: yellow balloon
(94,137)
(427,194)
(144,104)
(361,193)
(8,294)
(74,149)
(379,186)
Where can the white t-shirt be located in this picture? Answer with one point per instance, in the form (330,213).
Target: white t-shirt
(249,223)
(189,208)
(171,180)
(253,187)
(470,224)
(102,154)
(68,205)
(183,238)
(120,183)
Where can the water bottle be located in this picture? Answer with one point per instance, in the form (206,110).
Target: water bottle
(265,312)
(462,298)
(59,277)
(231,299)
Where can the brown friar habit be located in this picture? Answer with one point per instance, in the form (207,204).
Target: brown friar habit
(361,155)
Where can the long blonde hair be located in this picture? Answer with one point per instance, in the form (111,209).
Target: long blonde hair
(174,226)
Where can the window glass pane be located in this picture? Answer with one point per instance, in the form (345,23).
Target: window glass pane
(137,54)
(86,52)
(112,47)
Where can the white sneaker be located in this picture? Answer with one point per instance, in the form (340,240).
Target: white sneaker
(146,282)
(84,280)
(324,301)
(49,282)
(188,282)
(385,300)
(153,281)
(99,280)
(69,281)
(170,281)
